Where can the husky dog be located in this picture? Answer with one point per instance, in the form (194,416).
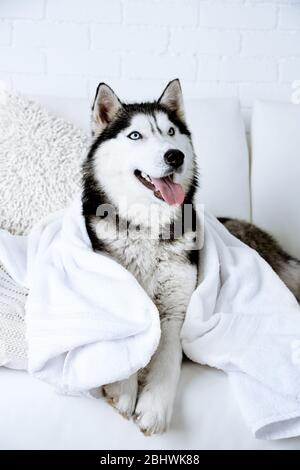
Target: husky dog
(142,158)
(287,267)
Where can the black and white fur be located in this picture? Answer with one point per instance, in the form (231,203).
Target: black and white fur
(286,266)
(166,267)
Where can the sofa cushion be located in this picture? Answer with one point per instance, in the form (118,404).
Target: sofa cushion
(220,143)
(276,171)
(40,160)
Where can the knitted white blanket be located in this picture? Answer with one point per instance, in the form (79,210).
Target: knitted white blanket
(13,346)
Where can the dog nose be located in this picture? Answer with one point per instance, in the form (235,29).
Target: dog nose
(174,158)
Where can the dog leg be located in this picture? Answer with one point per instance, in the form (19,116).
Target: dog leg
(122,395)
(155,405)
(175,285)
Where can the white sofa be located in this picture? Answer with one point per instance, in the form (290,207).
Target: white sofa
(206,414)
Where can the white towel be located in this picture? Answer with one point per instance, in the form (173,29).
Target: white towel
(89,322)
(243,319)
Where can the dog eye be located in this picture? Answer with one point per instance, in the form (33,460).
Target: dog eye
(135,135)
(171,131)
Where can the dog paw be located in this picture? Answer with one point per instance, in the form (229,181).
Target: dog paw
(122,396)
(152,414)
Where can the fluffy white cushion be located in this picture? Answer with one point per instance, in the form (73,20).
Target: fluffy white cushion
(276,171)
(40,159)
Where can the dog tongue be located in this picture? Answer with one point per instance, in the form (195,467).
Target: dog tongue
(171,192)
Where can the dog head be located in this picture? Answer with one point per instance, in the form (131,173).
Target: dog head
(142,152)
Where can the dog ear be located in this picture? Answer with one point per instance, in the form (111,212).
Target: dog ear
(106,106)
(172,99)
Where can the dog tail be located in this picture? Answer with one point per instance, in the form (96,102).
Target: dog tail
(290,274)
(287,267)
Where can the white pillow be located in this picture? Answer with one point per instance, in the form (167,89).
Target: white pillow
(220,143)
(276,171)
(40,160)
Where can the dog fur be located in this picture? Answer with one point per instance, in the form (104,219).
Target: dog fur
(129,141)
(287,267)
(166,267)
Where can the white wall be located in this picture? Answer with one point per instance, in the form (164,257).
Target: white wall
(245,48)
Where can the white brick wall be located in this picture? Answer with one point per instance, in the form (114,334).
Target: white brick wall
(100,11)
(240,48)
(237,15)
(161,12)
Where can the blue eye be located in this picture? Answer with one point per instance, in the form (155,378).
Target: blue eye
(135,135)
(171,131)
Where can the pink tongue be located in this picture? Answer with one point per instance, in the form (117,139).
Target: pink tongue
(171,192)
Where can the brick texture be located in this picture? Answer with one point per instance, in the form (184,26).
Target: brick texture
(218,48)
